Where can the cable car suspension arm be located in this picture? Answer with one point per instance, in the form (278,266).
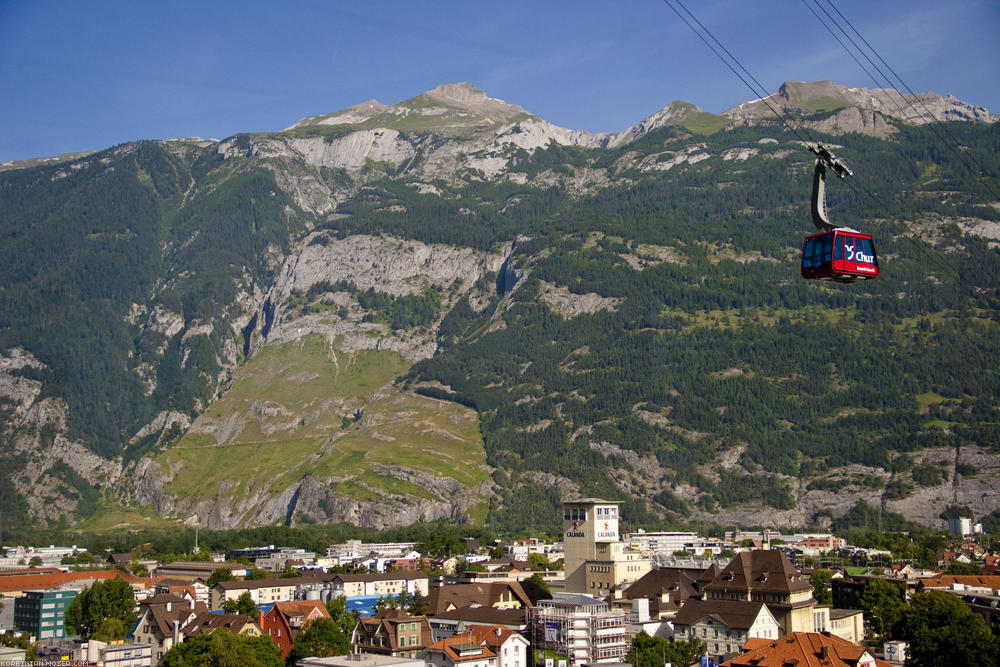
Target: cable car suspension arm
(824,160)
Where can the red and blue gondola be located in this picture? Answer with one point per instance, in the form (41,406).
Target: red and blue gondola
(840,255)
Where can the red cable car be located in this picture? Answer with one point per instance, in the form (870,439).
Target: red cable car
(838,254)
(841,255)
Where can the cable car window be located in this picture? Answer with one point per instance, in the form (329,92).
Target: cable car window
(838,249)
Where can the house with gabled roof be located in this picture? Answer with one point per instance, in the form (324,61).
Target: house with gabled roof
(510,647)
(283,622)
(458,650)
(196,589)
(444,624)
(768,576)
(725,625)
(498,594)
(807,649)
(392,632)
(666,589)
(207,623)
(161,618)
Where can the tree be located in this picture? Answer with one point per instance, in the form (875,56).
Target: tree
(818,580)
(111,629)
(20,641)
(346,619)
(540,585)
(36,561)
(960,568)
(255,574)
(218,575)
(203,556)
(244,604)
(883,603)
(322,638)
(942,630)
(224,649)
(107,599)
(648,650)
(540,562)
(419,605)
(138,569)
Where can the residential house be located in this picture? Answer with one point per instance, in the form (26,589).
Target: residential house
(286,619)
(161,618)
(458,650)
(404,564)
(767,576)
(580,628)
(905,571)
(208,622)
(196,590)
(807,649)
(665,588)
(167,620)
(455,621)
(446,564)
(510,647)
(500,595)
(392,632)
(725,625)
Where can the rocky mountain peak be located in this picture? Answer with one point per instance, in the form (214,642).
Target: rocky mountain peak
(467,97)
(463,93)
(804,97)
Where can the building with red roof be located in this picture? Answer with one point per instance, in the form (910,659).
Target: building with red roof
(285,620)
(459,650)
(806,649)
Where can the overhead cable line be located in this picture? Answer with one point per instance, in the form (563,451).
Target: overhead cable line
(733,63)
(735,66)
(939,128)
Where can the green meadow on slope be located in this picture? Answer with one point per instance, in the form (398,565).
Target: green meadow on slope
(305,408)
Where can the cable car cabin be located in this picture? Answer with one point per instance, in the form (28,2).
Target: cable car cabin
(840,255)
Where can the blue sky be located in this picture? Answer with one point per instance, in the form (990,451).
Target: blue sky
(78,76)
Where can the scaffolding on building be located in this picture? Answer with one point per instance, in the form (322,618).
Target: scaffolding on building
(579,628)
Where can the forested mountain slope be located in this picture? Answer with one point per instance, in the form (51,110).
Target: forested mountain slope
(451,308)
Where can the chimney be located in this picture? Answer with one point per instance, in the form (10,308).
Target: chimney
(824,651)
(177,632)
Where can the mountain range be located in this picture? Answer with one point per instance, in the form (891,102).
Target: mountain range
(449,308)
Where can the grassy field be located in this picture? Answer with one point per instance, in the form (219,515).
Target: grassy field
(306,409)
